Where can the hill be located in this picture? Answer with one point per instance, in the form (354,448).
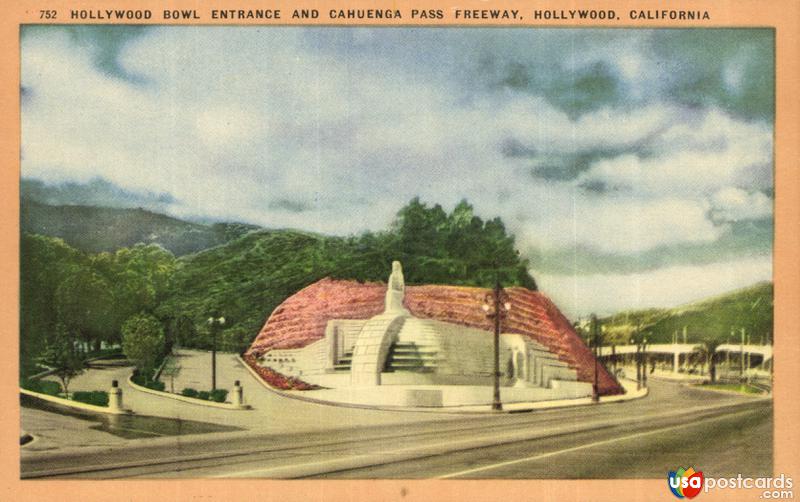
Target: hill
(96,229)
(243,278)
(246,279)
(750,308)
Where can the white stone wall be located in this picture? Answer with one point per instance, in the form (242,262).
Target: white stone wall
(372,347)
(465,356)
(340,338)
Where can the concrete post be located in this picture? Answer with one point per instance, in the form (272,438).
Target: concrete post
(237,399)
(676,361)
(115,397)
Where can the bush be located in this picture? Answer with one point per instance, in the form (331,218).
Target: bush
(204,395)
(95,397)
(189,392)
(139,379)
(155,385)
(219,395)
(41,386)
(111,353)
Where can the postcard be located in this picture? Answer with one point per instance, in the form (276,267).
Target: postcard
(401,251)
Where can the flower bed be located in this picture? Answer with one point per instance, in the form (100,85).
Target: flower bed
(277,380)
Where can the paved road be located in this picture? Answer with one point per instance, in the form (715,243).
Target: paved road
(676,425)
(271,412)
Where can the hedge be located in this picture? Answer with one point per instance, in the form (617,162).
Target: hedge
(41,386)
(150,384)
(218,395)
(189,392)
(95,397)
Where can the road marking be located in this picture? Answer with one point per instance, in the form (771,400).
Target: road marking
(432,449)
(582,447)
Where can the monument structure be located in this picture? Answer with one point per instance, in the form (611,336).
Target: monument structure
(390,344)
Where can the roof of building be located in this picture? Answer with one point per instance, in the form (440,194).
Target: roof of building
(301,318)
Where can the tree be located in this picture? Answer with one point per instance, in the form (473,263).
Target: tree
(708,350)
(182,330)
(44,263)
(143,342)
(140,277)
(236,339)
(172,368)
(84,305)
(59,353)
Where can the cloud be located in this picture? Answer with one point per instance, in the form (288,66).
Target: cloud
(695,156)
(578,139)
(740,239)
(624,225)
(734,204)
(579,295)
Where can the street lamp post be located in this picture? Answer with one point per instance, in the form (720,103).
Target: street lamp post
(496,305)
(644,364)
(641,361)
(595,330)
(638,366)
(215,324)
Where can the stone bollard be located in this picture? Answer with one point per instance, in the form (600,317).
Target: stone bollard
(115,397)
(237,398)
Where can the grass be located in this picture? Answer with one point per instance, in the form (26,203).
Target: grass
(733,387)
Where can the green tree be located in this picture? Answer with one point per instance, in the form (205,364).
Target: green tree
(44,263)
(59,353)
(172,368)
(236,339)
(708,350)
(84,305)
(140,276)
(143,342)
(182,330)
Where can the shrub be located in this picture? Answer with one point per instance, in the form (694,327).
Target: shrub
(204,395)
(139,379)
(95,397)
(219,395)
(155,385)
(189,392)
(41,386)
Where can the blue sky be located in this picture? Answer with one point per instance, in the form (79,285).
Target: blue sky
(633,166)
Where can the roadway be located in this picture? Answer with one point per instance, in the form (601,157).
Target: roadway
(723,434)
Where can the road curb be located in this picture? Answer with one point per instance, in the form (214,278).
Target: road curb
(186,399)
(73,404)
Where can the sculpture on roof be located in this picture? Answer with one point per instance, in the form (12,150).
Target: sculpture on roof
(395,290)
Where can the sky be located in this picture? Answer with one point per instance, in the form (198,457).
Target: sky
(634,167)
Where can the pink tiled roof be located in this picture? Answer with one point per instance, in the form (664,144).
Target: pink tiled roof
(301,318)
